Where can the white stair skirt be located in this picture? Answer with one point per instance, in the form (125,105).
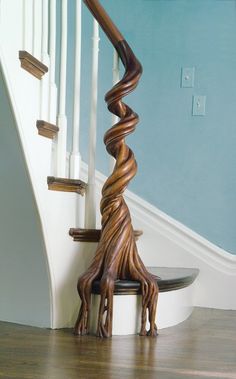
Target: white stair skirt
(173,307)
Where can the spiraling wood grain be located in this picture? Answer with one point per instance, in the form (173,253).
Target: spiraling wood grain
(117,256)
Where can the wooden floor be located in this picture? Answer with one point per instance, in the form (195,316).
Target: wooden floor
(202,347)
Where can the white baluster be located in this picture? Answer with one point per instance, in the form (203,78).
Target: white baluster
(90,204)
(45,59)
(44,42)
(61,119)
(36,28)
(27,9)
(75,155)
(52,55)
(116,78)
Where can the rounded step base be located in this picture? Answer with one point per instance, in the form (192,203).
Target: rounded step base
(174,305)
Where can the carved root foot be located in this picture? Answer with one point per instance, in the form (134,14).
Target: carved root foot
(143,332)
(81,326)
(80,330)
(152,332)
(104,327)
(103,332)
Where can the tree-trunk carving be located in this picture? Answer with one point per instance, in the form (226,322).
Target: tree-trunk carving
(116,256)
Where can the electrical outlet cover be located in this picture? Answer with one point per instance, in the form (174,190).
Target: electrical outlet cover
(187,78)
(199,105)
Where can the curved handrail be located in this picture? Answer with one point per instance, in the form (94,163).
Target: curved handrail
(116,256)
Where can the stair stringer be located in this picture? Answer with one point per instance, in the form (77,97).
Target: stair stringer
(57,211)
(168,243)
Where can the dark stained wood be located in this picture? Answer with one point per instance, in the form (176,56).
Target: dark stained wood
(46,129)
(202,347)
(104,21)
(168,279)
(93,235)
(116,255)
(66,185)
(32,64)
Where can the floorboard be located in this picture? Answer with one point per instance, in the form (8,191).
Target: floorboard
(202,347)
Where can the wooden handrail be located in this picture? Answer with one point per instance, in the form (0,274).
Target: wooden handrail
(104,21)
(116,255)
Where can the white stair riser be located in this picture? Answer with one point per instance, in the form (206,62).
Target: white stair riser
(173,307)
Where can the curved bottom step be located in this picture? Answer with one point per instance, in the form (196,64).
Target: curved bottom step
(175,303)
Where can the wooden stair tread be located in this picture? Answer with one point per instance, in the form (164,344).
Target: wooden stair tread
(46,129)
(92,235)
(169,279)
(66,185)
(32,64)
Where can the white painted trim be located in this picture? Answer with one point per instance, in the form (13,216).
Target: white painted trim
(90,202)
(52,66)
(44,36)
(44,83)
(61,118)
(36,28)
(75,157)
(27,25)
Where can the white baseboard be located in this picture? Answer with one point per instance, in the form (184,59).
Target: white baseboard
(167,242)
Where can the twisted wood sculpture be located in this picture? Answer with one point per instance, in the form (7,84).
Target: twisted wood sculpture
(116,256)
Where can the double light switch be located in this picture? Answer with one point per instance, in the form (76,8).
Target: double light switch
(187,81)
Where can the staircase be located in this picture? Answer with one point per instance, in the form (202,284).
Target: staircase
(28,67)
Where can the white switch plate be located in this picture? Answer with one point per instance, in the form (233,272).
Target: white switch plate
(187,77)
(199,105)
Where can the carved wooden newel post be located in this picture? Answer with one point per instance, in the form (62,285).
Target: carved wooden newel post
(116,256)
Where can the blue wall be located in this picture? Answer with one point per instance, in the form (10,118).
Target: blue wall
(186,163)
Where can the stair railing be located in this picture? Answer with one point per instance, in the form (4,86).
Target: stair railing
(116,255)
(41,45)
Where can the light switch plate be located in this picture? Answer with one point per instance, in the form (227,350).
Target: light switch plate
(199,105)
(187,77)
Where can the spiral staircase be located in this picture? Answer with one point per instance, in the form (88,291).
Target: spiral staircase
(116,286)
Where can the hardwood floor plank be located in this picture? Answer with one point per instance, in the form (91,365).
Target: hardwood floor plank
(202,347)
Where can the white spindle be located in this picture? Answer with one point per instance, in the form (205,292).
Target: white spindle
(52,55)
(75,155)
(45,59)
(116,78)
(34,18)
(61,119)
(44,42)
(27,25)
(36,28)
(90,205)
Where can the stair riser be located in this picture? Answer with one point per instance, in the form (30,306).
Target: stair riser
(173,307)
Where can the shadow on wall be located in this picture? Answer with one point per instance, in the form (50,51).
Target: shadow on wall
(24,284)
